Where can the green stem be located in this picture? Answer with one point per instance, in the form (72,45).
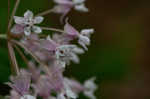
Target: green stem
(45,12)
(53,29)
(13,13)
(3,36)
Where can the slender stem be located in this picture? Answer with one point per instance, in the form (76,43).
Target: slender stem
(13,13)
(9,44)
(45,12)
(25,59)
(13,58)
(53,29)
(45,67)
(21,54)
(3,36)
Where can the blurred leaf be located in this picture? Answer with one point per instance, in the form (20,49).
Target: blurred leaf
(4,65)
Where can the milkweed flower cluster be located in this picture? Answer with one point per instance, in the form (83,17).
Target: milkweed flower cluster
(49,55)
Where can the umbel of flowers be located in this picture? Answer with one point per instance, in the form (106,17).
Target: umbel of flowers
(49,54)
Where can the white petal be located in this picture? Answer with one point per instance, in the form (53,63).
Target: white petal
(27,97)
(71,94)
(63,2)
(36,29)
(27,31)
(87,32)
(75,58)
(78,50)
(61,63)
(81,8)
(19,20)
(83,41)
(17,29)
(78,1)
(83,45)
(90,85)
(89,94)
(38,20)
(28,15)
(61,96)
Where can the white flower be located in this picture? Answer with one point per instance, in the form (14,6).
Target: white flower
(80,5)
(69,93)
(87,32)
(61,96)
(81,8)
(28,97)
(90,88)
(29,20)
(67,53)
(84,37)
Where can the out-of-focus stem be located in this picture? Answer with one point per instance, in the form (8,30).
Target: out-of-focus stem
(45,67)
(53,29)
(21,54)
(9,44)
(45,12)
(3,36)
(13,58)
(13,13)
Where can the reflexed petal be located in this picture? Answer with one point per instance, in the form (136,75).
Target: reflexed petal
(70,30)
(28,15)
(83,41)
(75,58)
(81,8)
(90,87)
(61,96)
(17,29)
(42,87)
(89,84)
(78,1)
(75,86)
(64,2)
(27,97)
(27,31)
(36,29)
(78,50)
(48,45)
(21,83)
(87,32)
(62,9)
(71,94)
(68,91)
(19,20)
(83,45)
(89,94)
(38,20)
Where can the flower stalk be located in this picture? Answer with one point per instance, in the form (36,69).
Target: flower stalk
(53,29)
(13,14)
(45,12)
(3,36)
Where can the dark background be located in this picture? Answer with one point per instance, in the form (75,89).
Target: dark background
(119,54)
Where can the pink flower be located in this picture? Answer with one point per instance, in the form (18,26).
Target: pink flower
(21,83)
